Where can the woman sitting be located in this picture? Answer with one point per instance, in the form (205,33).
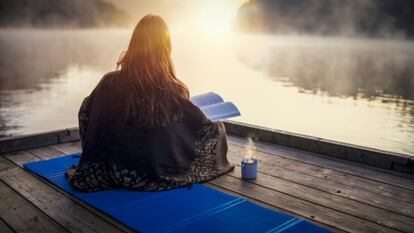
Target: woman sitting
(138,128)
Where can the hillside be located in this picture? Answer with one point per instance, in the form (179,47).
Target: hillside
(382,18)
(60,13)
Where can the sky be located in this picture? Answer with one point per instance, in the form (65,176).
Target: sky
(213,15)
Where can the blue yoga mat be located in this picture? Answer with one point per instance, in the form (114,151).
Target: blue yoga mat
(199,209)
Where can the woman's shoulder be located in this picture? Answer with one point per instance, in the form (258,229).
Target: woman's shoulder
(109,82)
(109,78)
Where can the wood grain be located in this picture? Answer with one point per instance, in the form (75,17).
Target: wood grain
(21,215)
(57,206)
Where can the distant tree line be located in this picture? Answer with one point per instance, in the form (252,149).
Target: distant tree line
(329,17)
(60,13)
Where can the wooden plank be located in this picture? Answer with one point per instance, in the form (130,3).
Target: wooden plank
(63,210)
(47,152)
(68,148)
(5,167)
(370,156)
(316,167)
(356,182)
(21,215)
(16,143)
(22,157)
(379,188)
(357,169)
(4,228)
(291,173)
(372,185)
(345,205)
(303,208)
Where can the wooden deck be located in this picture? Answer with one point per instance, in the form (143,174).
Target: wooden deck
(341,195)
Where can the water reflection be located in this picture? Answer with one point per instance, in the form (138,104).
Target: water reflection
(340,67)
(30,58)
(355,91)
(377,74)
(46,73)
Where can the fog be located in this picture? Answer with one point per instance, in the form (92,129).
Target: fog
(348,87)
(309,85)
(181,12)
(337,66)
(356,18)
(31,57)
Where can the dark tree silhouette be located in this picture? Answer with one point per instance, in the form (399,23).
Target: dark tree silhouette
(60,13)
(326,17)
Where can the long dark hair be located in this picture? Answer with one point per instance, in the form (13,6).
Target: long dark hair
(157,96)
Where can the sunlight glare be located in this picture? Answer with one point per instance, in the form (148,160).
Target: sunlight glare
(217,17)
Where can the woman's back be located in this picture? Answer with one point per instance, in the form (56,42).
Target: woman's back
(139,129)
(191,150)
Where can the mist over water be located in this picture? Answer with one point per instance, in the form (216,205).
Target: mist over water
(353,90)
(362,68)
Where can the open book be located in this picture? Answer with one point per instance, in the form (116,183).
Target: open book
(214,107)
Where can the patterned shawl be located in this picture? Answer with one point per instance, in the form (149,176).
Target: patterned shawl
(119,155)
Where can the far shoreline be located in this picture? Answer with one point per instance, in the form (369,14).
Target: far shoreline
(295,36)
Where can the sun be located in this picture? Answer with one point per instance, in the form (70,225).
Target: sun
(217,17)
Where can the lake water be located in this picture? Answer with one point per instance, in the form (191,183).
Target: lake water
(352,90)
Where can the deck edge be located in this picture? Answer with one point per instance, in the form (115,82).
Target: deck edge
(24,142)
(365,155)
(360,154)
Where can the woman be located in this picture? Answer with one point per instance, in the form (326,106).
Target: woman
(138,128)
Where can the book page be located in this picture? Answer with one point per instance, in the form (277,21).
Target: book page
(220,111)
(206,99)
